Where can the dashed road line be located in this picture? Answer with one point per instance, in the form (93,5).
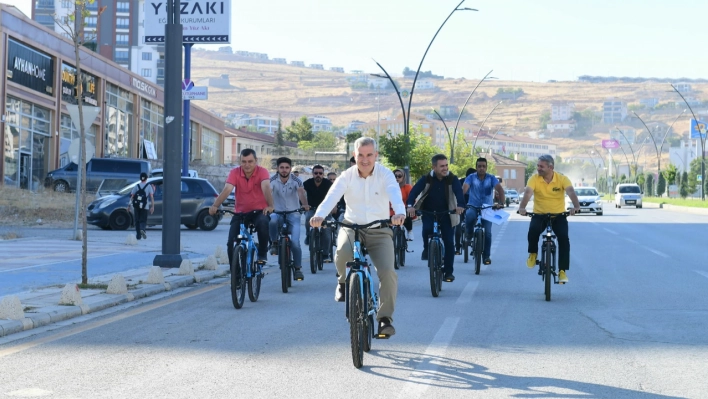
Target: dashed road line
(663,255)
(611,231)
(702,273)
(466,294)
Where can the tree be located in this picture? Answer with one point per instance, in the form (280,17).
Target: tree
(279,140)
(299,131)
(530,170)
(661,185)
(670,174)
(73,28)
(683,189)
(693,172)
(351,137)
(649,184)
(394,150)
(544,119)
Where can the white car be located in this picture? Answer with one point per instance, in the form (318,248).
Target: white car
(512,195)
(628,194)
(589,200)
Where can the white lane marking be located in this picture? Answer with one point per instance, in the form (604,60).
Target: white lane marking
(611,231)
(418,381)
(496,239)
(466,294)
(631,240)
(657,252)
(702,273)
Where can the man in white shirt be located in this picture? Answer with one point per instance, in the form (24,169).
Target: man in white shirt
(367,189)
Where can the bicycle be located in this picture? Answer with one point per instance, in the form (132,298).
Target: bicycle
(547,263)
(436,249)
(362,303)
(476,241)
(245,269)
(317,249)
(285,257)
(400,246)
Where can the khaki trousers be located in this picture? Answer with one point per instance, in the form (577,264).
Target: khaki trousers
(379,244)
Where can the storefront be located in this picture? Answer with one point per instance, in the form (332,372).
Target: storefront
(39,82)
(27,142)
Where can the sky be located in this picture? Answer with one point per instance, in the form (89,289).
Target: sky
(524,40)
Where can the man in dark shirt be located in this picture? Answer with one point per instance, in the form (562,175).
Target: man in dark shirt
(459,227)
(439,191)
(316,189)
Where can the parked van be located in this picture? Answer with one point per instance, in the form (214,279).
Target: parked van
(628,194)
(97,169)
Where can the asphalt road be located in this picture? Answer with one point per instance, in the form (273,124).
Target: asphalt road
(631,323)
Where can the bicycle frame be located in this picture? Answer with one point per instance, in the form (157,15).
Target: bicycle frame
(245,239)
(548,269)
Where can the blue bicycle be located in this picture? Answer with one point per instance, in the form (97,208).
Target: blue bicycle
(362,301)
(436,249)
(476,241)
(245,269)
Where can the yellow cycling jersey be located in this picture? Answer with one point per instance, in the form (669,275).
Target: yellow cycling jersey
(549,197)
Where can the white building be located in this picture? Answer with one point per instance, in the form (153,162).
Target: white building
(562,110)
(629,137)
(336,69)
(561,126)
(320,123)
(297,63)
(683,87)
(265,124)
(686,152)
(280,60)
(145,59)
(317,66)
(425,84)
(614,111)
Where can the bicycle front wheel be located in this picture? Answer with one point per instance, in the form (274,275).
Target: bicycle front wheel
(314,248)
(478,249)
(368,319)
(466,246)
(433,255)
(357,313)
(254,283)
(238,285)
(284,262)
(547,260)
(402,250)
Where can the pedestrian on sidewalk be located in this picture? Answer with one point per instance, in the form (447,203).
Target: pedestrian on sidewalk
(141,195)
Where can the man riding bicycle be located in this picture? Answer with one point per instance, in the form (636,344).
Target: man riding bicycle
(548,189)
(253,193)
(481,187)
(316,189)
(458,229)
(367,187)
(439,191)
(288,194)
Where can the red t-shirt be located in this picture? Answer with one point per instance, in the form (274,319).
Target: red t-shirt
(249,195)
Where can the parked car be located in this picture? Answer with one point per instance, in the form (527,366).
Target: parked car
(111,212)
(158,173)
(230,201)
(97,169)
(628,194)
(589,200)
(512,195)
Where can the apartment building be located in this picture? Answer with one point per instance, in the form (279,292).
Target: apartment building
(623,134)
(562,110)
(614,111)
(316,66)
(320,123)
(263,124)
(336,69)
(298,63)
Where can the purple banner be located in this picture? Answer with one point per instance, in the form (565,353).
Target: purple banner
(611,143)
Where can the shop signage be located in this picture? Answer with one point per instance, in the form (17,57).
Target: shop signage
(68,86)
(30,68)
(202,21)
(144,87)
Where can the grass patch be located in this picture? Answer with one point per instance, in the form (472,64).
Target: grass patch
(20,207)
(93,286)
(693,203)
(11,235)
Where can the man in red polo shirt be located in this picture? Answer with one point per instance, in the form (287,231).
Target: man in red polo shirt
(253,193)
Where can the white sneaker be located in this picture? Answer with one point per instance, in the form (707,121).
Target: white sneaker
(410,235)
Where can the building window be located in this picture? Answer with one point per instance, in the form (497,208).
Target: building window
(513,173)
(69,132)
(91,22)
(146,72)
(119,122)
(122,23)
(28,137)
(160,72)
(506,173)
(123,6)
(147,56)
(67,4)
(211,153)
(151,125)
(122,39)
(122,55)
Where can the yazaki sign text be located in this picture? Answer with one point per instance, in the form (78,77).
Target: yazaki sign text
(202,21)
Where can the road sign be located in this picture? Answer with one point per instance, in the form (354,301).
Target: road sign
(405,93)
(195,92)
(202,21)
(699,177)
(698,130)
(187,84)
(611,143)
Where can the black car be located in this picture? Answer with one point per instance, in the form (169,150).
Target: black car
(111,212)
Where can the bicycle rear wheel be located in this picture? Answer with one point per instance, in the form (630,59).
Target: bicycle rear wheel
(439,268)
(356,319)
(254,283)
(396,247)
(478,249)
(402,250)
(433,252)
(314,248)
(547,276)
(368,320)
(284,262)
(466,246)
(238,285)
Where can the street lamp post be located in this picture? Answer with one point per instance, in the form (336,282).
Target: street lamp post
(495,135)
(634,158)
(474,143)
(597,166)
(658,147)
(407,112)
(702,135)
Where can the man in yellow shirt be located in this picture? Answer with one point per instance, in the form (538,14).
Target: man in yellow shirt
(548,189)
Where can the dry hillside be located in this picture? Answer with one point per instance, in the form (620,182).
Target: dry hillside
(272,89)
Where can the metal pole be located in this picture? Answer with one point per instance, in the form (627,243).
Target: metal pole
(454,132)
(702,135)
(378,112)
(171,256)
(186,125)
(482,125)
(449,138)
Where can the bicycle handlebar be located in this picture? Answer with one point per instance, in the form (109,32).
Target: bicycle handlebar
(419,212)
(382,222)
(547,214)
(239,213)
(479,208)
(284,213)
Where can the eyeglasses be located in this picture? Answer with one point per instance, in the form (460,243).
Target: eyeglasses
(399,176)
(333,179)
(317,173)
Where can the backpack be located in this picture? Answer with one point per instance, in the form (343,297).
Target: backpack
(140,197)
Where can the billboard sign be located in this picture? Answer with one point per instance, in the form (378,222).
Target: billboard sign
(202,21)
(698,129)
(610,144)
(192,92)
(30,68)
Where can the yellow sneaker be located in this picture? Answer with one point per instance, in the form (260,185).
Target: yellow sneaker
(562,278)
(531,261)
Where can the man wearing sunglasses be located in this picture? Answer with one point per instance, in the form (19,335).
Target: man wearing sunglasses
(405,190)
(316,189)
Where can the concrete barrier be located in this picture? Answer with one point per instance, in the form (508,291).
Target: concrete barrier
(11,308)
(210,263)
(117,285)
(186,268)
(155,276)
(71,295)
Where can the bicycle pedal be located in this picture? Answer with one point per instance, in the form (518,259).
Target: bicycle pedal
(381,336)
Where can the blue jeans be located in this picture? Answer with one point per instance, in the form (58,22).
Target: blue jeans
(447,234)
(471,220)
(293,221)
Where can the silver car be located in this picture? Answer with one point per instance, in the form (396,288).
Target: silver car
(589,199)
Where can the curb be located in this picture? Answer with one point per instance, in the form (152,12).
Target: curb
(94,302)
